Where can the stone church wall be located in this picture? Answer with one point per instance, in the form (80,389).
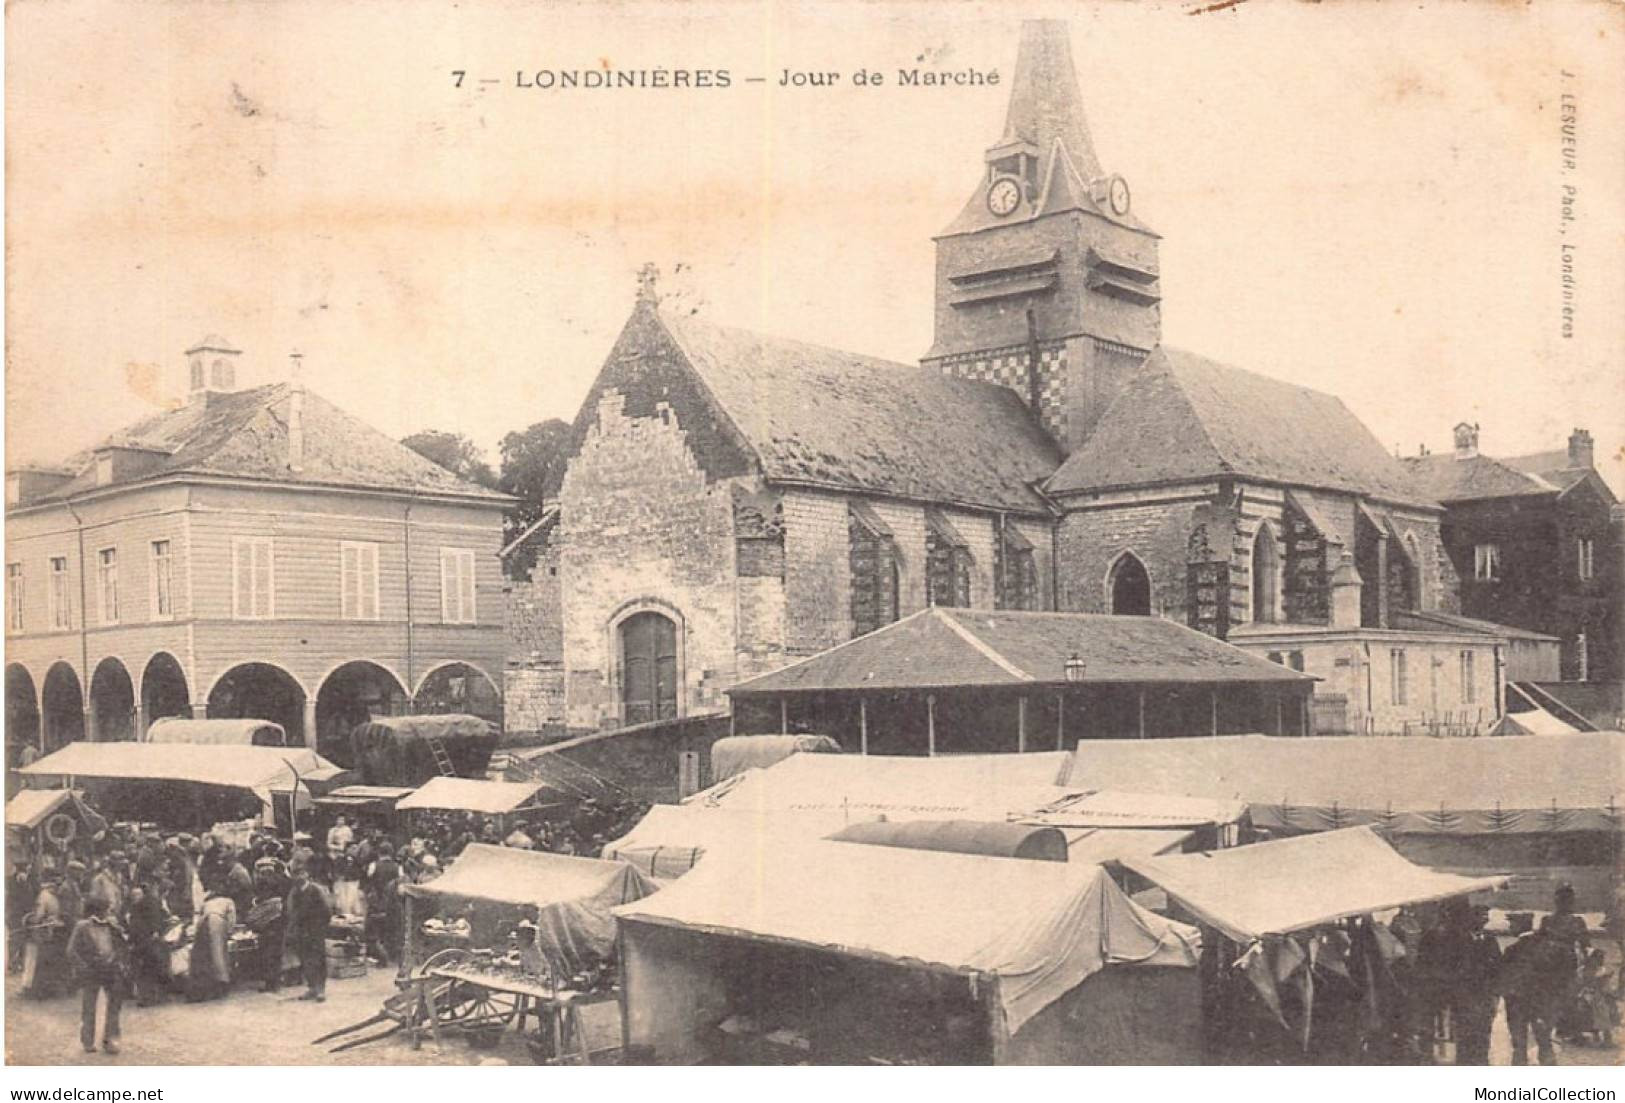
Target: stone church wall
(643,527)
(1090,541)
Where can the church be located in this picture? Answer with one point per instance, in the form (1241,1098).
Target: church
(736,501)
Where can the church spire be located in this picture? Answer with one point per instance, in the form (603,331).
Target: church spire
(1044,103)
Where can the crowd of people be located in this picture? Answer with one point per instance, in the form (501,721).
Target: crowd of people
(124,911)
(132,912)
(1551,980)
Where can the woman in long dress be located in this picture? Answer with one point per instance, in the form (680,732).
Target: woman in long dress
(209,968)
(347,896)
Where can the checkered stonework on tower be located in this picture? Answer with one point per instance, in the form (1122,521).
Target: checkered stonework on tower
(1009,368)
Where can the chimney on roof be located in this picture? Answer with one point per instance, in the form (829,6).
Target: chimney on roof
(1466,441)
(212,366)
(1581,452)
(296,411)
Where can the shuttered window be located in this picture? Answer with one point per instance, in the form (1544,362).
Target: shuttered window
(107,584)
(456,586)
(14,596)
(163,577)
(253,578)
(1469,681)
(358,580)
(61,610)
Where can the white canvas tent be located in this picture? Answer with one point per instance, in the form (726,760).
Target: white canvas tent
(568,897)
(1023,934)
(1277,888)
(492,798)
(262,771)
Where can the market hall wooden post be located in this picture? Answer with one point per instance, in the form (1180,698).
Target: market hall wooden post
(784,716)
(1142,712)
(1060,721)
(930,725)
(1021,725)
(863,725)
(1213,699)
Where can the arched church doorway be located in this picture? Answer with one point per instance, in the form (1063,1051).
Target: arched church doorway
(648,668)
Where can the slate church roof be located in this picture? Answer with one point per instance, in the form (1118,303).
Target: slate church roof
(244,434)
(820,417)
(1184,418)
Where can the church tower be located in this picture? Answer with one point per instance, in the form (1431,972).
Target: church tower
(1047,281)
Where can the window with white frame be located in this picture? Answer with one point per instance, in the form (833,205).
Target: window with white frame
(253,578)
(1399,679)
(1487,562)
(1588,566)
(162,585)
(1469,680)
(107,584)
(60,611)
(358,580)
(14,597)
(456,586)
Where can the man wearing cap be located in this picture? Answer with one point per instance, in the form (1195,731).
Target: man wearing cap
(309,911)
(107,885)
(97,951)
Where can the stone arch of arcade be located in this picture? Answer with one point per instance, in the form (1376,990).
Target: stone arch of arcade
(459,687)
(261,691)
(22,711)
(112,702)
(62,707)
(163,690)
(350,694)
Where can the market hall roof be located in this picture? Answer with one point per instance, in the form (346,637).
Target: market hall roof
(811,416)
(945,648)
(1184,418)
(244,435)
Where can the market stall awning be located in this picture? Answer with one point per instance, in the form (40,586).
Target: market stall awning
(1097,845)
(1275,888)
(508,875)
(939,648)
(863,786)
(364,794)
(262,770)
(32,807)
(1019,788)
(672,838)
(1039,928)
(1404,784)
(462,794)
(573,897)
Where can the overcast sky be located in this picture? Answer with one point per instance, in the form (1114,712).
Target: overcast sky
(1364,200)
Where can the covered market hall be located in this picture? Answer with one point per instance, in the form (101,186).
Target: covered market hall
(961,681)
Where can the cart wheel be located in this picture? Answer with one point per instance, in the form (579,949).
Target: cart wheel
(472,1005)
(448,958)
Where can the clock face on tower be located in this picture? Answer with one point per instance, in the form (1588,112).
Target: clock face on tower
(1118,194)
(1004,196)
